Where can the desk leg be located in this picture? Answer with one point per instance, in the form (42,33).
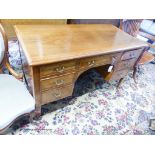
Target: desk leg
(134,74)
(119,83)
(37,112)
(31,117)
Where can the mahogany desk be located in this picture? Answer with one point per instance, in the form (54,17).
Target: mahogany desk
(55,55)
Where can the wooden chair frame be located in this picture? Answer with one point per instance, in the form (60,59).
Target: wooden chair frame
(141,33)
(146,56)
(148,36)
(5,62)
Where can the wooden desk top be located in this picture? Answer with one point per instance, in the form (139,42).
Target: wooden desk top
(43,44)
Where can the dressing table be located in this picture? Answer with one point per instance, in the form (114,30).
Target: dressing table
(54,56)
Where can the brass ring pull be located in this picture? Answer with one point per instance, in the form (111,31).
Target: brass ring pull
(91,63)
(60,69)
(59,82)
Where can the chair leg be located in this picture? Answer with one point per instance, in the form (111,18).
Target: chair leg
(1,70)
(6,129)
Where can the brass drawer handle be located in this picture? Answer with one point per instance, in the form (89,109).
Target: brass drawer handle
(91,63)
(58,94)
(59,82)
(60,69)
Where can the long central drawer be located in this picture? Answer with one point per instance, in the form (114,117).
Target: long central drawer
(99,60)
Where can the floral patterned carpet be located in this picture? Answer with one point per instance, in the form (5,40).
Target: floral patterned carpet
(95,108)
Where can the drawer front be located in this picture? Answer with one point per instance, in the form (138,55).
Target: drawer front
(57,69)
(119,74)
(98,60)
(128,64)
(54,94)
(131,54)
(48,83)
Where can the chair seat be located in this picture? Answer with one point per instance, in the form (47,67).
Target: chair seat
(148,26)
(146,58)
(15,100)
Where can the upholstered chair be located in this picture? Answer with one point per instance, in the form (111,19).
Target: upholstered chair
(144,30)
(15,100)
(134,28)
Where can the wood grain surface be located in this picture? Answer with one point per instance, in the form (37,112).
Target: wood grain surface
(44,44)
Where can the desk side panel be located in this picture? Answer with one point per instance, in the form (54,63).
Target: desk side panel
(27,71)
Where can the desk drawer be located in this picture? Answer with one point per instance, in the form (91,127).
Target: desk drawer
(98,60)
(131,54)
(126,64)
(54,94)
(48,83)
(57,69)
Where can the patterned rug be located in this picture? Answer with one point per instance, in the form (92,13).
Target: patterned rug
(95,108)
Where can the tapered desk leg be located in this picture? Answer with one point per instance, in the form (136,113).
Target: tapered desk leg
(31,117)
(119,83)
(134,74)
(37,112)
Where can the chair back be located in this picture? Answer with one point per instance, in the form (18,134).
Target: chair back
(131,26)
(3,44)
(115,22)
